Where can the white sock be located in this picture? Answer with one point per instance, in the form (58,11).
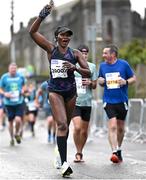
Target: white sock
(118,148)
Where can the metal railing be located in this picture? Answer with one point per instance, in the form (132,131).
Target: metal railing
(135,121)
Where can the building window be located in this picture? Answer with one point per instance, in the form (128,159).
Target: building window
(109,38)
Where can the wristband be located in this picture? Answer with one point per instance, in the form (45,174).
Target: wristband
(44,12)
(127,82)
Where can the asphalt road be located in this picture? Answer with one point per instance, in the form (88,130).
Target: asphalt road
(33,158)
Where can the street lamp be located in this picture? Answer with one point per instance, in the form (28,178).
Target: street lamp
(12,43)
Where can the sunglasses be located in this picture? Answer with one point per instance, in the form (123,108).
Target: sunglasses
(84,50)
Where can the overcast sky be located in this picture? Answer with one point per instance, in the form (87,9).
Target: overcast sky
(26,9)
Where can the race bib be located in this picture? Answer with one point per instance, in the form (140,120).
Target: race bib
(112,80)
(80,88)
(57,69)
(14,96)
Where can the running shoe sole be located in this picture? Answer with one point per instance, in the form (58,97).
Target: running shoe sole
(67,172)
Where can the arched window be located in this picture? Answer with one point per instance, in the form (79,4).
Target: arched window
(109,32)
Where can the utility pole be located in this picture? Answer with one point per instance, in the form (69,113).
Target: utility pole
(98,16)
(91,35)
(94,36)
(99,39)
(95,30)
(12,43)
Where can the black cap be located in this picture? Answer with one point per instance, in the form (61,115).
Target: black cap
(83,48)
(63,29)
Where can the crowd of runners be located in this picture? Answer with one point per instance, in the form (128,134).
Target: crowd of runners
(67,95)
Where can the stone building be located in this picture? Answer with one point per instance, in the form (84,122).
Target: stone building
(119,25)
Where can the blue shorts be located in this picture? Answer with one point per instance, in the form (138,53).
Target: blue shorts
(15,110)
(1,106)
(1,102)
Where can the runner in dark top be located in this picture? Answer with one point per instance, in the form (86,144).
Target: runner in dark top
(62,86)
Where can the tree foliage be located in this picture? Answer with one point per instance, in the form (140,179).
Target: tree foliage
(134,52)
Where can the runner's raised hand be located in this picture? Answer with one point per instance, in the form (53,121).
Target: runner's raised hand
(46,10)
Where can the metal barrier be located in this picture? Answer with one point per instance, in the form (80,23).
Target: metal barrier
(135,122)
(134,117)
(143,119)
(141,134)
(98,118)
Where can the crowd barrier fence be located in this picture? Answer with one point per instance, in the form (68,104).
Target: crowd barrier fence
(135,121)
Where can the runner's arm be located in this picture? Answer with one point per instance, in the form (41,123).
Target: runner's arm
(38,38)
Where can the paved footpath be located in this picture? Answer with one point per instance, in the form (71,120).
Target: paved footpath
(33,159)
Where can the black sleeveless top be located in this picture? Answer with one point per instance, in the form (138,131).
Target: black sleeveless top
(61,79)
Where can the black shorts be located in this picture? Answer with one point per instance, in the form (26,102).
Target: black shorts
(35,112)
(118,110)
(83,111)
(67,95)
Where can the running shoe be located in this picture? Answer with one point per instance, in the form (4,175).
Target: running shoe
(66,170)
(57,163)
(119,153)
(18,139)
(57,160)
(114,158)
(12,142)
(33,134)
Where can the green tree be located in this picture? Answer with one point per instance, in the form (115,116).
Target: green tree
(134,52)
